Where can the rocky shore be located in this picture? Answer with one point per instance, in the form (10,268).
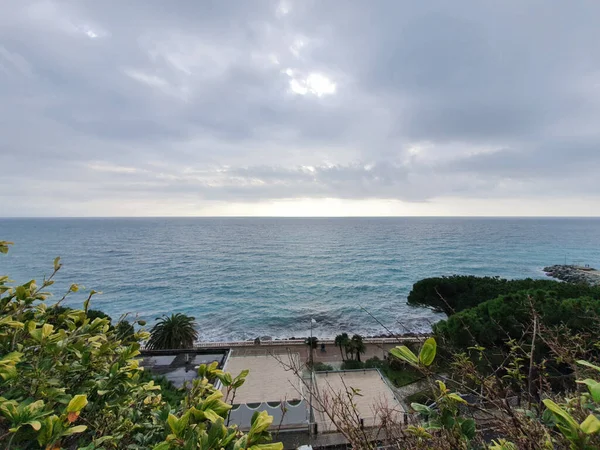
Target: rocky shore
(574,274)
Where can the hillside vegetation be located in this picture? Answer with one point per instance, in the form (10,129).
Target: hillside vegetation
(70,379)
(456,293)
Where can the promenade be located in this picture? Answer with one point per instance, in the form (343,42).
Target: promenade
(331,354)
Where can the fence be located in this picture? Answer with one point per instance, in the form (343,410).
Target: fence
(292,342)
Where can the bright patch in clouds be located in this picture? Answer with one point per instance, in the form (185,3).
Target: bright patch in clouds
(297,46)
(314,83)
(283,9)
(102,167)
(90,33)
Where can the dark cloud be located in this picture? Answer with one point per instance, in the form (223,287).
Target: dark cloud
(266,100)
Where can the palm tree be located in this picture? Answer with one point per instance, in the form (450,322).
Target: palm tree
(341,341)
(358,345)
(312,342)
(349,349)
(174,332)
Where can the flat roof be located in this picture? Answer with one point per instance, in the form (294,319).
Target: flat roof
(179,367)
(268,381)
(374,392)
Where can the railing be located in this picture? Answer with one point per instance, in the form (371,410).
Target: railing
(288,342)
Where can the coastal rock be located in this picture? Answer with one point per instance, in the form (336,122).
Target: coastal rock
(574,274)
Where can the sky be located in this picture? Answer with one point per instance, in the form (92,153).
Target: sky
(299,108)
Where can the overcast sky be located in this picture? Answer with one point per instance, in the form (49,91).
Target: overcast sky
(135,108)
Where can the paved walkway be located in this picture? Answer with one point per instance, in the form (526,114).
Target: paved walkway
(331,355)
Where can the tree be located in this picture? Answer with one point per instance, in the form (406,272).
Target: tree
(341,341)
(459,292)
(358,346)
(173,332)
(490,323)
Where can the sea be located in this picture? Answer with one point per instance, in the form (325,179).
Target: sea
(247,277)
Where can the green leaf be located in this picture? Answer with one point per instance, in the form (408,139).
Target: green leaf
(7,321)
(4,246)
(12,357)
(35,424)
(588,364)
(468,428)
(178,426)
(74,430)
(418,407)
(47,330)
(172,421)
(216,432)
(57,263)
(442,385)
(260,423)
(77,403)
(211,415)
(590,425)
(503,444)
(226,379)
(593,387)
(405,354)
(272,446)
(428,351)
(243,374)
(565,422)
(8,369)
(457,398)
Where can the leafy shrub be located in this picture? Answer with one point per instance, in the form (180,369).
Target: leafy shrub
(169,392)
(352,364)
(374,363)
(460,292)
(571,423)
(490,323)
(68,381)
(322,367)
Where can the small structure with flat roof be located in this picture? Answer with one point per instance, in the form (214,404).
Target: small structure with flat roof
(268,387)
(179,366)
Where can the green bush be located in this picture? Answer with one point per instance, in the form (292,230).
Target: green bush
(460,292)
(492,322)
(352,364)
(401,377)
(568,422)
(69,381)
(398,373)
(322,367)
(374,363)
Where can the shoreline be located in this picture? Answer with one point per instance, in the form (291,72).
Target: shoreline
(574,274)
(250,347)
(269,341)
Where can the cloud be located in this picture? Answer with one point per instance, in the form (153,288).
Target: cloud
(430,106)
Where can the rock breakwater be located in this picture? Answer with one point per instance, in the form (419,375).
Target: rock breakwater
(574,274)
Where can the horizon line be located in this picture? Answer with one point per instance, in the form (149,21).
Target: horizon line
(307,217)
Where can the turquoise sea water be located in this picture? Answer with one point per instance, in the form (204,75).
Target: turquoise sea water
(246,277)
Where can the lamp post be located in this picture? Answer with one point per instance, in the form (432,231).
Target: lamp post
(312,375)
(310,346)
